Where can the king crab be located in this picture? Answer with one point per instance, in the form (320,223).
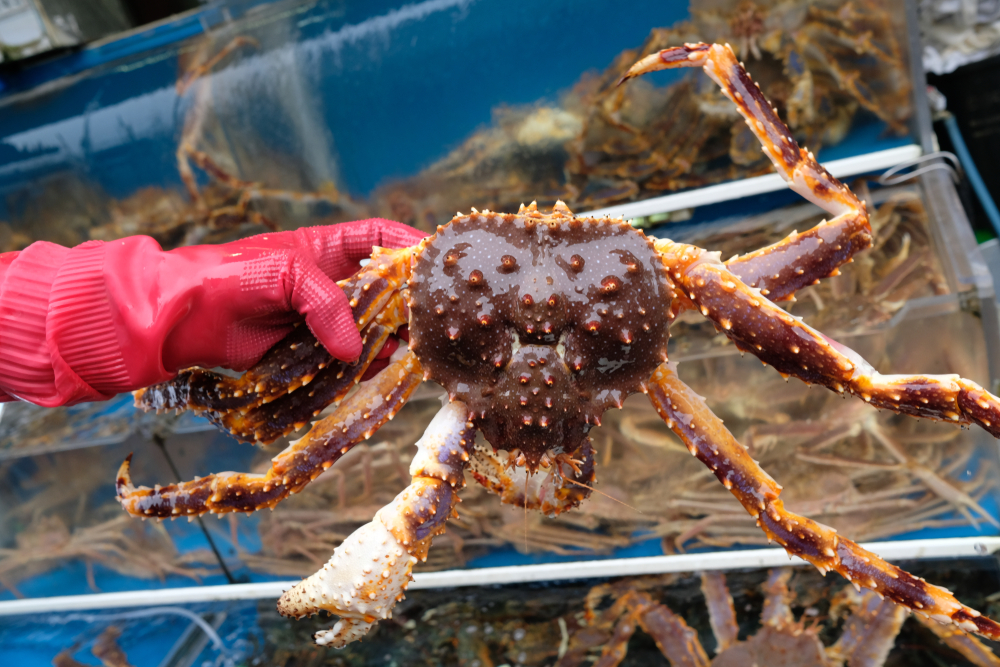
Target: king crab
(869,629)
(536,324)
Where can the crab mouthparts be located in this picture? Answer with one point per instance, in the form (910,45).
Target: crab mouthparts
(559,481)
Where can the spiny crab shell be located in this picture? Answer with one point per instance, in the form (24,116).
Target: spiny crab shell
(538,322)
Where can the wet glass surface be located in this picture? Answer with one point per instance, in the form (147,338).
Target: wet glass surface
(567,623)
(303,112)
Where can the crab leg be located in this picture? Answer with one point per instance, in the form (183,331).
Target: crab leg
(760,327)
(870,632)
(973,650)
(197,71)
(721,614)
(195,120)
(354,420)
(675,639)
(292,363)
(368,573)
(269,421)
(801,259)
(560,487)
(708,439)
(777,611)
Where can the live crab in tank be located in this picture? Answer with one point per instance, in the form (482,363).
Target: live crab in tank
(536,323)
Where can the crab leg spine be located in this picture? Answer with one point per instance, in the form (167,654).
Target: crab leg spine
(355,419)
(799,260)
(368,573)
(708,439)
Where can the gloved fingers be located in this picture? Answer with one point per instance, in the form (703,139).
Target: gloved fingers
(326,309)
(6,259)
(337,249)
(398,235)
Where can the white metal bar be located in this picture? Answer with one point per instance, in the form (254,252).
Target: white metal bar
(713,194)
(720,560)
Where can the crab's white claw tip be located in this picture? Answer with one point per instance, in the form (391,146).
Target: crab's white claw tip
(343,633)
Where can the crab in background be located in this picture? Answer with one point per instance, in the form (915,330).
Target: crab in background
(869,630)
(536,323)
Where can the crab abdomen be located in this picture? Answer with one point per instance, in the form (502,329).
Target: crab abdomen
(537,322)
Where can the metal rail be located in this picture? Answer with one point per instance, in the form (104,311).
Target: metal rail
(718,560)
(713,194)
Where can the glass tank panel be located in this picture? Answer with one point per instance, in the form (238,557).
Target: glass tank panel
(778,613)
(305,113)
(297,113)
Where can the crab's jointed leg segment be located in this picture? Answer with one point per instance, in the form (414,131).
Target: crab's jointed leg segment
(721,613)
(800,260)
(200,70)
(195,120)
(708,439)
(368,573)
(870,631)
(777,338)
(675,638)
(267,422)
(973,650)
(354,420)
(777,611)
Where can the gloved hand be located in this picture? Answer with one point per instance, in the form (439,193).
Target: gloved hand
(102,318)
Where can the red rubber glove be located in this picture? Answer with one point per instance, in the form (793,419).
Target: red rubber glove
(89,322)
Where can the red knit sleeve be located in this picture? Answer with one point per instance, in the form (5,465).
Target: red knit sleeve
(74,323)
(5,261)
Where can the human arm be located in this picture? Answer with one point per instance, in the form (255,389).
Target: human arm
(88,322)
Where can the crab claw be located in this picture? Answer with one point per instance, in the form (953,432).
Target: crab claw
(358,584)
(369,571)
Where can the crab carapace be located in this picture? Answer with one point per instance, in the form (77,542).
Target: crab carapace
(536,323)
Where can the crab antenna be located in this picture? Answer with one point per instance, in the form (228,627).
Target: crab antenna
(610,497)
